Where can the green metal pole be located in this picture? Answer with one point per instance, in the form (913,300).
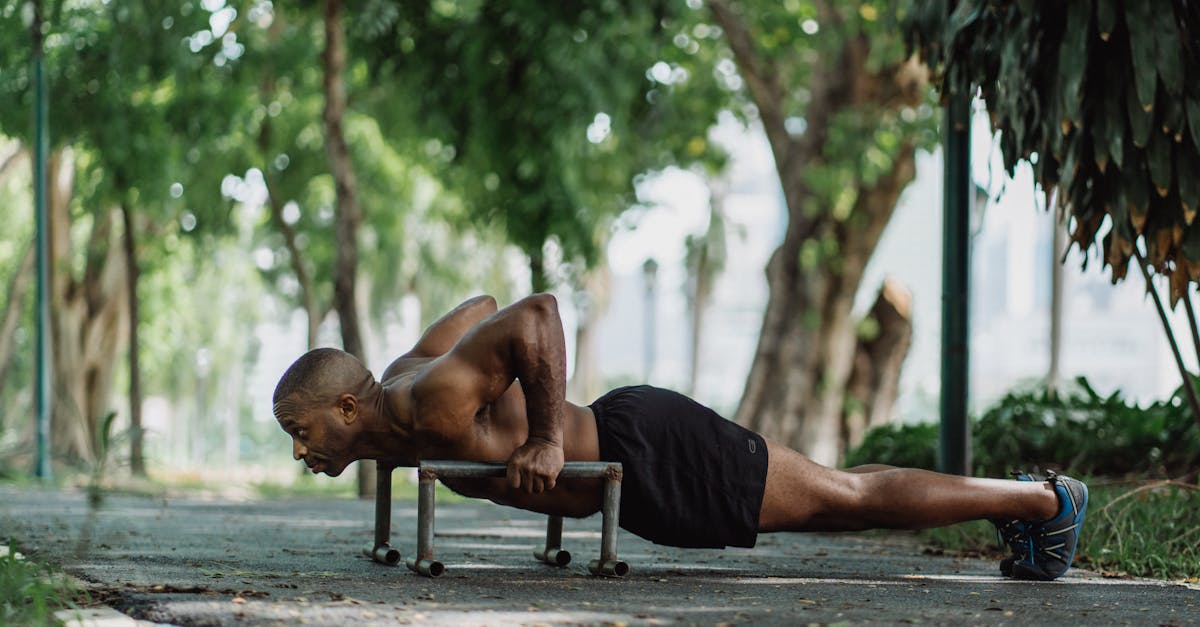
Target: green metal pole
(43,241)
(955,454)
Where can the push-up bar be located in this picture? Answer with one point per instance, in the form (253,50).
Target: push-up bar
(552,553)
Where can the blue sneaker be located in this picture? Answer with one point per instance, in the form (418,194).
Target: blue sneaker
(1051,543)
(1011,533)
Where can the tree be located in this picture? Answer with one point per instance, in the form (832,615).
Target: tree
(1103,99)
(539,114)
(842,111)
(117,113)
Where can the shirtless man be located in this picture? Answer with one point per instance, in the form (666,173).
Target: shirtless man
(484,384)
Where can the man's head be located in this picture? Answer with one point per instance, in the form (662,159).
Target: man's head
(319,402)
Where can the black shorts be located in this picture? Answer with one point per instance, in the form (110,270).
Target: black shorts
(691,478)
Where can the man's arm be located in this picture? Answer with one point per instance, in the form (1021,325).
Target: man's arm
(444,333)
(524,342)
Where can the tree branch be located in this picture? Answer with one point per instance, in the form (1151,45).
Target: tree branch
(761,79)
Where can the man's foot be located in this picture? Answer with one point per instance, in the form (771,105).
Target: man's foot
(1051,543)
(1012,533)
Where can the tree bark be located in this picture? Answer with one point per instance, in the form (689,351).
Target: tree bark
(18,285)
(86,318)
(795,391)
(347,214)
(875,378)
(137,461)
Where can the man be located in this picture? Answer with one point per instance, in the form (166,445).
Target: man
(484,384)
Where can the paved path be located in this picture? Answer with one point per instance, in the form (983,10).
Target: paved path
(214,562)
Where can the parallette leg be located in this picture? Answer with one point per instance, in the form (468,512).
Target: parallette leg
(608,565)
(380,550)
(424,563)
(553,553)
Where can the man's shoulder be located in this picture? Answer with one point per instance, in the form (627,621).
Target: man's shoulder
(402,365)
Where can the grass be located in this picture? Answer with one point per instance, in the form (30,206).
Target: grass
(1145,529)
(30,593)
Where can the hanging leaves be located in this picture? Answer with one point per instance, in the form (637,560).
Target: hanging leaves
(1106,94)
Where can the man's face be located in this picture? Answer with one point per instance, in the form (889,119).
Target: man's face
(321,436)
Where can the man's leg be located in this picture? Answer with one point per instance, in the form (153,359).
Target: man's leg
(802,495)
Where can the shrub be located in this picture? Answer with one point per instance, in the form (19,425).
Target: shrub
(1076,430)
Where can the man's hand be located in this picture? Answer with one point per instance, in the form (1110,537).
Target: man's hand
(534,467)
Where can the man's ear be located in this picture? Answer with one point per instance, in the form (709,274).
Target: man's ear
(347,405)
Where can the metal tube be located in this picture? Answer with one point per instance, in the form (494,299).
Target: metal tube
(553,532)
(610,568)
(383,504)
(608,565)
(489,470)
(428,567)
(425,516)
(424,563)
(552,553)
(612,513)
(383,554)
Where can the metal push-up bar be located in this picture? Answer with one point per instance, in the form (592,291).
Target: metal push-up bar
(552,553)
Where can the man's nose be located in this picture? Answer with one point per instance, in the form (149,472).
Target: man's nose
(298,449)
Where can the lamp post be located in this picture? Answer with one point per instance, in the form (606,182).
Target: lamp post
(955,434)
(649,274)
(42,395)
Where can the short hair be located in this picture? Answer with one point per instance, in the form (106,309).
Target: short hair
(321,373)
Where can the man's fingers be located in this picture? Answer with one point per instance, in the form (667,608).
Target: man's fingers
(514,477)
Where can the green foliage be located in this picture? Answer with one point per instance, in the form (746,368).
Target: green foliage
(1085,433)
(1103,98)
(30,593)
(907,446)
(541,114)
(1078,431)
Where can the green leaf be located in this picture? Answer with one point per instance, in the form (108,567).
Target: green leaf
(1140,120)
(1191,104)
(1191,243)
(1139,17)
(1107,12)
(1073,57)
(1170,58)
(1136,187)
(1188,161)
(1171,117)
(1158,157)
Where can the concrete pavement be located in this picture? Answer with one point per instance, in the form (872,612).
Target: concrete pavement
(216,562)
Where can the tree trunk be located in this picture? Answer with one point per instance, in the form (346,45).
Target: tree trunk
(347,214)
(707,260)
(592,303)
(86,318)
(795,391)
(1058,248)
(875,378)
(537,273)
(18,285)
(137,461)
